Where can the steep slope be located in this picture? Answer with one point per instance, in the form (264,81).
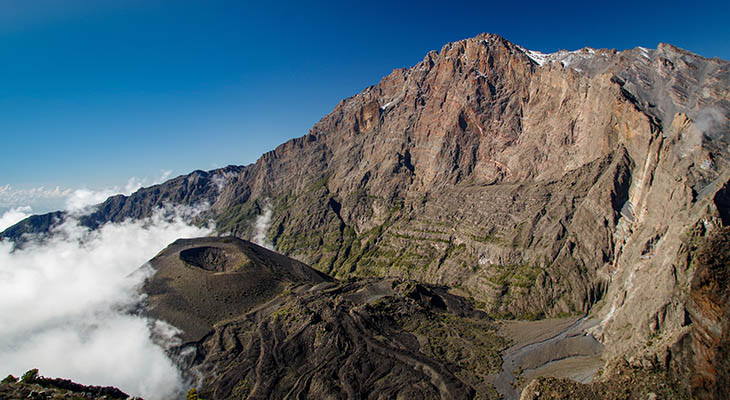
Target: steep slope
(537,184)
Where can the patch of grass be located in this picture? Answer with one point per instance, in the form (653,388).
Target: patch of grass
(519,275)
(283,312)
(238,217)
(423,239)
(469,344)
(193,395)
(506,315)
(317,185)
(242,389)
(30,376)
(487,238)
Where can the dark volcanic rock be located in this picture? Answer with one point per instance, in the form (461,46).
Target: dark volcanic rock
(33,386)
(258,324)
(201,282)
(384,338)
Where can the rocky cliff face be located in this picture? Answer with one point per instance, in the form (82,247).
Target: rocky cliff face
(538,184)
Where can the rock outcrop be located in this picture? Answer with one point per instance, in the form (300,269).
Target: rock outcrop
(34,386)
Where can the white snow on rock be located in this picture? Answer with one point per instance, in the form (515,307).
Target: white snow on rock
(536,56)
(566,58)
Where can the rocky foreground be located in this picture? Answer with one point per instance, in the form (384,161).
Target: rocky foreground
(34,386)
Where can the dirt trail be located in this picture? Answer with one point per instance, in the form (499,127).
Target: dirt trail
(560,348)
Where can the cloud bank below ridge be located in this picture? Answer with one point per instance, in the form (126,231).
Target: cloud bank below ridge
(66,304)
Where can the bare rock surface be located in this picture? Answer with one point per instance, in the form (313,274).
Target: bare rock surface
(200,282)
(626,383)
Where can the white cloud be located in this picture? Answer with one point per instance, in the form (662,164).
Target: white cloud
(13,216)
(81,201)
(38,197)
(64,304)
(262,225)
(77,201)
(221,179)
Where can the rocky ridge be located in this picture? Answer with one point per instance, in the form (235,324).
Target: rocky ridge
(34,386)
(538,185)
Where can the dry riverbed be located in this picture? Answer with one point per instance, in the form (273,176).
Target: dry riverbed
(559,348)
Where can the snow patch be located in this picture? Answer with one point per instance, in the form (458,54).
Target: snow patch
(386,105)
(536,56)
(566,58)
(221,180)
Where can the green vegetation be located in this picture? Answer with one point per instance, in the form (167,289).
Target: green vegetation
(429,231)
(652,337)
(531,316)
(193,395)
(317,185)
(472,345)
(235,218)
(487,238)
(505,315)
(283,312)
(30,376)
(242,389)
(414,238)
(469,347)
(519,275)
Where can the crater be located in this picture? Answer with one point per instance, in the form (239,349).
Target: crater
(214,259)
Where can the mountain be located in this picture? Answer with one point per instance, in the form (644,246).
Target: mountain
(539,185)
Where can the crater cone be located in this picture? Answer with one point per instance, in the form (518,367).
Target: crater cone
(214,259)
(200,282)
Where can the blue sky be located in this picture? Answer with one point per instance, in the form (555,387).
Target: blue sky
(94,93)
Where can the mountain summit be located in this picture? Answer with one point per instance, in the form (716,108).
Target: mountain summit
(541,185)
